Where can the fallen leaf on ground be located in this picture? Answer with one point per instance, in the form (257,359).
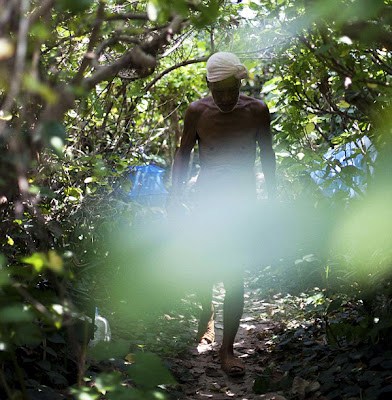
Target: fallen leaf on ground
(299,387)
(271,396)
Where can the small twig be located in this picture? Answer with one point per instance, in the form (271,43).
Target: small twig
(320,131)
(4,382)
(115,17)
(38,305)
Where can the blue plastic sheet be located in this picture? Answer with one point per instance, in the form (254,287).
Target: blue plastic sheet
(348,168)
(147,186)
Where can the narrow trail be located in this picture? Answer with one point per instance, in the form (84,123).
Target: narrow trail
(287,353)
(284,343)
(199,373)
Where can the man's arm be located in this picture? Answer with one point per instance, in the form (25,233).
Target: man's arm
(267,153)
(181,159)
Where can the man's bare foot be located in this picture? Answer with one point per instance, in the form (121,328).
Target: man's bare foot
(207,335)
(232,365)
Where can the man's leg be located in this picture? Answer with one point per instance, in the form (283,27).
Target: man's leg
(232,313)
(206,331)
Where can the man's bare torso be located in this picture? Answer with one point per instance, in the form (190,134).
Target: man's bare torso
(227,141)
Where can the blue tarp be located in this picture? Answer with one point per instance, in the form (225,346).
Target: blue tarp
(348,168)
(147,186)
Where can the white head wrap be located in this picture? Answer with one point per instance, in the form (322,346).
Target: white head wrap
(223,65)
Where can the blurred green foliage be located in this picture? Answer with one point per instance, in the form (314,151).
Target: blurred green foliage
(326,78)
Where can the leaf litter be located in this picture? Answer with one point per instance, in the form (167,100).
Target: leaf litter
(287,350)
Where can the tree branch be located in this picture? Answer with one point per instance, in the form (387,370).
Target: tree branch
(172,68)
(40,11)
(141,57)
(19,65)
(116,17)
(135,58)
(115,39)
(164,37)
(93,39)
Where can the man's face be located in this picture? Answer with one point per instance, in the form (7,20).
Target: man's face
(225,93)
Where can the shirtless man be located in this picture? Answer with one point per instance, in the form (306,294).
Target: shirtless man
(227,126)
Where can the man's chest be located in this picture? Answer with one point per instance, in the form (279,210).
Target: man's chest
(234,126)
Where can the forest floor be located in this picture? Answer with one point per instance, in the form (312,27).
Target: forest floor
(286,357)
(290,349)
(198,370)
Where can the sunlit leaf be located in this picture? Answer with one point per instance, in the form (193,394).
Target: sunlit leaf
(343,104)
(5,116)
(310,127)
(7,48)
(153,10)
(91,179)
(108,381)
(55,262)
(37,260)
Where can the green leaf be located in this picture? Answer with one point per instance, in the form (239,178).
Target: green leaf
(33,85)
(57,378)
(28,334)
(16,313)
(106,350)
(4,279)
(108,381)
(85,393)
(91,179)
(43,191)
(37,260)
(53,134)
(261,385)
(40,31)
(309,127)
(334,305)
(324,48)
(149,372)
(75,6)
(130,393)
(343,104)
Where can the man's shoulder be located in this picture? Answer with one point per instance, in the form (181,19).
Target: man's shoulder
(201,104)
(254,104)
(196,108)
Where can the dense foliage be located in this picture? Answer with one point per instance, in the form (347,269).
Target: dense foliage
(90,88)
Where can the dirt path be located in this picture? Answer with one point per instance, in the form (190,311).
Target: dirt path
(199,373)
(284,343)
